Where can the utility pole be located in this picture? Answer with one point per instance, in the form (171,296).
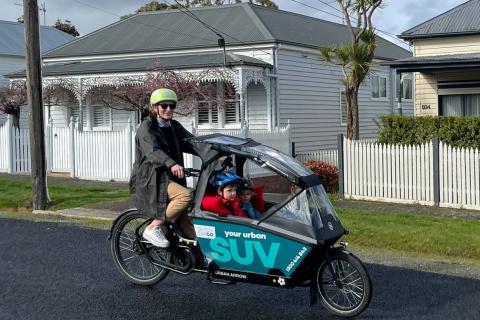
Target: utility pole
(34,94)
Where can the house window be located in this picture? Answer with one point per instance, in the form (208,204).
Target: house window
(460,105)
(81,120)
(407,87)
(101,117)
(379,87)
(207,113)
(220,108)
(232,112)
(343,108)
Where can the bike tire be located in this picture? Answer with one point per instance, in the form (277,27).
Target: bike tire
(132,263)
(351,295)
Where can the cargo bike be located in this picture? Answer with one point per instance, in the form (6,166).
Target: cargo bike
(295,242)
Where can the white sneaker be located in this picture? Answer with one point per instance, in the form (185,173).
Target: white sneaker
(156,237)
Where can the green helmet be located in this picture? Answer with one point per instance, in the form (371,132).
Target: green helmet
(161,95)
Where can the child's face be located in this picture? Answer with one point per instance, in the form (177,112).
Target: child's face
(245,196)
(229,192)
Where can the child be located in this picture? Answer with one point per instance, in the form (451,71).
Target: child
(245,190)
(226,201)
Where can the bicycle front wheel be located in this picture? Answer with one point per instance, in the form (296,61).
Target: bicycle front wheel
(349,292)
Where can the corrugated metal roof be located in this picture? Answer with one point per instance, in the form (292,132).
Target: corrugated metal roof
(12,38)
(463,19)
(441,58)
(298,29)
(144,64)
(239,24)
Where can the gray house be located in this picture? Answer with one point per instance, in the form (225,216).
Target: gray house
(12,48)
(12,45)
(272,63)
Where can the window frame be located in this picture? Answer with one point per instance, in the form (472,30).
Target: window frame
(376,78)
(220,122)
(408,77)
(92,127)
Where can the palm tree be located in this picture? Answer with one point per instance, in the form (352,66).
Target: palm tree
(356,57)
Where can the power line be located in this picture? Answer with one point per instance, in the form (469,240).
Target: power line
(199,20)
(383,31)
(142,23)
(393,37)
(217,31)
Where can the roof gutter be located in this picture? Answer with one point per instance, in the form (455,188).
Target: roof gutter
(436,35)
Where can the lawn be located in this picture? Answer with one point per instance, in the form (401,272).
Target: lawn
(441,238)
(448,239)
(16,194)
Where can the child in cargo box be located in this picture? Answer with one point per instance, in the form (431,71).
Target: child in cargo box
(225,202)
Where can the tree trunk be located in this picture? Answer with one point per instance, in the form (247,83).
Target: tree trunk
(351,94)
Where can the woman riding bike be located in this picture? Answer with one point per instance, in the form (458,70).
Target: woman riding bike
(158,178)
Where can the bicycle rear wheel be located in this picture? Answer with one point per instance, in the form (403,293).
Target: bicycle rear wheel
(128,256)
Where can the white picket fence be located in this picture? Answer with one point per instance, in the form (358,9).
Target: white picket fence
(405,174)
(14,149)
(329,156)
(103,155)
(459,177)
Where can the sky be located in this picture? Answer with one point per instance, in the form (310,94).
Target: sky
(88,15)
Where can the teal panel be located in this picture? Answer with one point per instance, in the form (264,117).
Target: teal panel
(245,248)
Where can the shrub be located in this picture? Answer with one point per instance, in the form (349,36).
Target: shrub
(328,174)
(455,131)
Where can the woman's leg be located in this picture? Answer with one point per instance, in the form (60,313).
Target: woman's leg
(180,199)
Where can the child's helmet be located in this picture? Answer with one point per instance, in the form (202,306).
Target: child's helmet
(246,184)
(224,178)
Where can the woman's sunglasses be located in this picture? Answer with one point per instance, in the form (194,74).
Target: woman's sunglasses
(164,106)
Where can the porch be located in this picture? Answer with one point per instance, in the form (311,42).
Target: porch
(445,85)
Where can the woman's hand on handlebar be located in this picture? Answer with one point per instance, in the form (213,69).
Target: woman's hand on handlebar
(178,171)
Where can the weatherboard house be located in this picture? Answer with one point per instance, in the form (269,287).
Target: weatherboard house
(12,50)
(446,62)
(273,65)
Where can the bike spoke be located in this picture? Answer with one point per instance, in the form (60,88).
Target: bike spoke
(135,261)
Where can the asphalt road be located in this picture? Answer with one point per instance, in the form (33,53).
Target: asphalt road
(57,271)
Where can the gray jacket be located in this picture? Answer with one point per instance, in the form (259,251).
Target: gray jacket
(151,170)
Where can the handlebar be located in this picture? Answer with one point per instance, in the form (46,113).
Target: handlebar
(190,172)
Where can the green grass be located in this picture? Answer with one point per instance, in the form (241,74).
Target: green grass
(16,194)
(453,240)
(85,222)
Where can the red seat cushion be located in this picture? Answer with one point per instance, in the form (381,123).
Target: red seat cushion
(258,200)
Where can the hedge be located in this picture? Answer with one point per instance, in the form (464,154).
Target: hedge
(327,173)
(456,131)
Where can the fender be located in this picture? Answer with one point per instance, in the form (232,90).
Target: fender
(116,219)
(313,296)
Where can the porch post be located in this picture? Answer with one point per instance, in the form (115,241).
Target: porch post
(80,107)
(9,140)
(399,106)
(243,116)
(72,147)
(48,145)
